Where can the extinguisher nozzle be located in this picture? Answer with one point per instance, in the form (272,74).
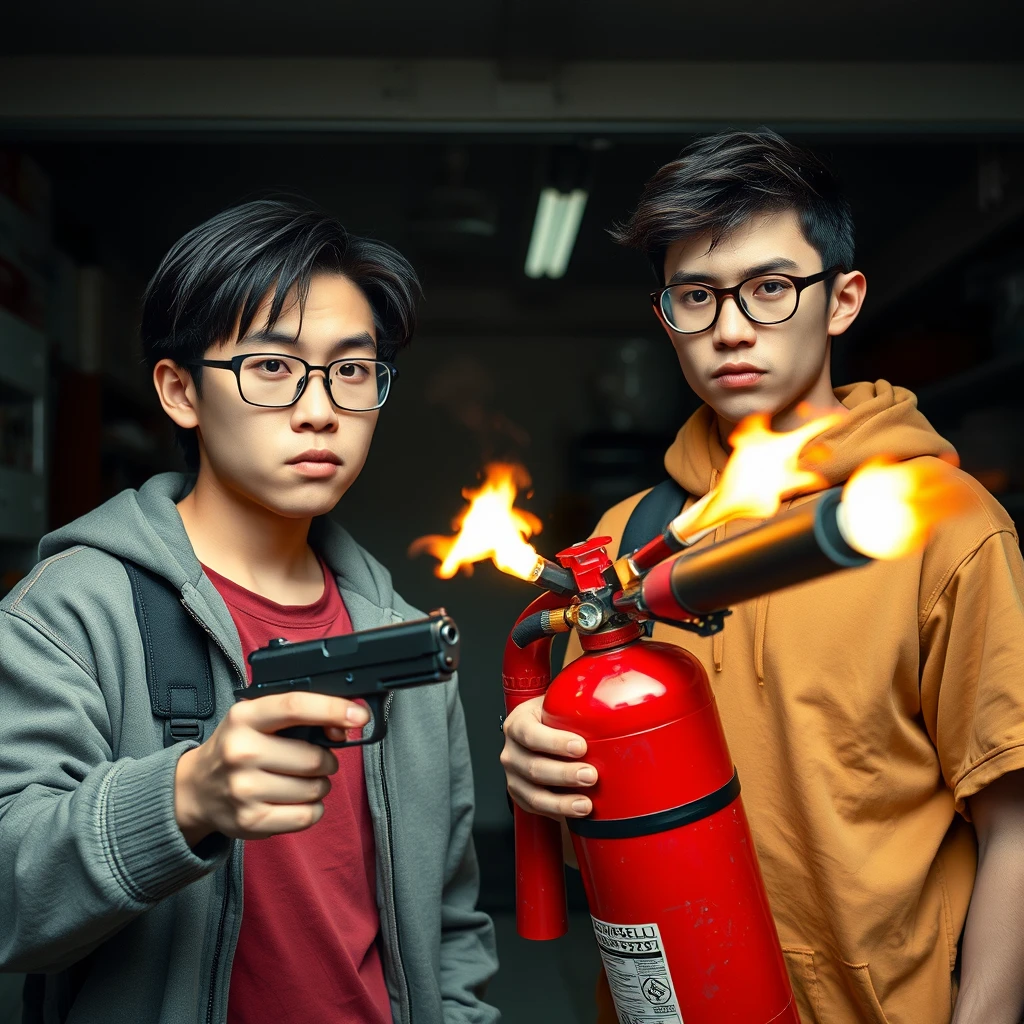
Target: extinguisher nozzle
(555,579)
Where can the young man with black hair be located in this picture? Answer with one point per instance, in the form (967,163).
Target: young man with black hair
(270,331)
(876,717)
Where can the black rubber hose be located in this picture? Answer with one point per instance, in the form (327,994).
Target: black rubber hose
(533,627)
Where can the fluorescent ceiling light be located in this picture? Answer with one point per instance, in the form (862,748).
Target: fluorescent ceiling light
(554,231)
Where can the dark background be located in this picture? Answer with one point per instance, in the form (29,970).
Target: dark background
(434,127)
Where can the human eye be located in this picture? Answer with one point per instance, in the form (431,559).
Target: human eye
(271,366)
(771,287)
(353,371)
(695,296)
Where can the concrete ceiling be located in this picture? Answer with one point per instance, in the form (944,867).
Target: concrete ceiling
(901,30)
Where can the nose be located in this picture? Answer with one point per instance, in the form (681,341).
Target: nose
(314,409)
(733,329)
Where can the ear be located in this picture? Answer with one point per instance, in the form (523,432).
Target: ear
(177,392)
(848,291)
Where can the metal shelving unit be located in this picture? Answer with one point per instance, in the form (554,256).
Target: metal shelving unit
(24,378)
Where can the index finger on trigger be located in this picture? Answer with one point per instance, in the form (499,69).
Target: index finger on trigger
(301,707)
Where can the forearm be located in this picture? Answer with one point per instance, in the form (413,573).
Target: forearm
(992,976)
(75,867)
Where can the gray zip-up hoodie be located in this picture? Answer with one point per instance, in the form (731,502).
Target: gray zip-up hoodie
(99,890)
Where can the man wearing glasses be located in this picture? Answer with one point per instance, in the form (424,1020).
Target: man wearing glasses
(877,717)
(124,882)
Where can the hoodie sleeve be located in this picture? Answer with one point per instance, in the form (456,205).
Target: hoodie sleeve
(468,956)
(87,842)
(972,680)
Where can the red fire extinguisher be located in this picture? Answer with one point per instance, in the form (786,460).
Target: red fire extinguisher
(680,913)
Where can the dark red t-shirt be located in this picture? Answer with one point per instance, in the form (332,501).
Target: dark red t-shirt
(308,948)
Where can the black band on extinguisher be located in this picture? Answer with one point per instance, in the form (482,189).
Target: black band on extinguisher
(660,821)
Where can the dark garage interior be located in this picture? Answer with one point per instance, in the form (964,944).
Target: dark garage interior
(436,129)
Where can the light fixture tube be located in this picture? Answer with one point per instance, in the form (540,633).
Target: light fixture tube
(564,237)
(549,211)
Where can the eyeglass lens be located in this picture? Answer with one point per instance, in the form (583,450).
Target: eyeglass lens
(766,300)
(276,380)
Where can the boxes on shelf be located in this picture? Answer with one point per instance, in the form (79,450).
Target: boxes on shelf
(108,328)
(17,431)
(24,239)
(24,183)
(62,319)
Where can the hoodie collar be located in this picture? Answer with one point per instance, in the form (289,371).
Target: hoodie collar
(144,527)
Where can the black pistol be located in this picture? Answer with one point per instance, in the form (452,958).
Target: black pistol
(366,665)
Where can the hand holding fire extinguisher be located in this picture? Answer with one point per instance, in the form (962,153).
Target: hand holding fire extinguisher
(538,759)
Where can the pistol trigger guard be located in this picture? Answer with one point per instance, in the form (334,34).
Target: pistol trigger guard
(378,723)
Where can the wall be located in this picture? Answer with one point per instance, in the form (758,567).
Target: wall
(423,455)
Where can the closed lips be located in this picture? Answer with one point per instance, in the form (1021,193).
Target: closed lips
(317,456)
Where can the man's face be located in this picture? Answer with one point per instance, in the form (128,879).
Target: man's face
(773,367)
(256,453)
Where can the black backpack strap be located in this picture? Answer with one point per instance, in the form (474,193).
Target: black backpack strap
(653,512)
(650,519)
(177,656)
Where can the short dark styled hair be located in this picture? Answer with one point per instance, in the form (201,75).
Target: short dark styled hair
(216,276)
(722,180)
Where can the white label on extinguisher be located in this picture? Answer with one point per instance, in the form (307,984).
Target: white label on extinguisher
(638,974)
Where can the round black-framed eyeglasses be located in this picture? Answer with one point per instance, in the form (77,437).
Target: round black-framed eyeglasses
(272,380)
(766,299)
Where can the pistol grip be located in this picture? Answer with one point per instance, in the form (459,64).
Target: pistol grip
(373,732)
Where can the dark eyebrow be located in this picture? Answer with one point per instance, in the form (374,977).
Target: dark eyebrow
(342,346)
(781,263)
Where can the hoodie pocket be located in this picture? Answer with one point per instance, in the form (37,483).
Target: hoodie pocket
(870,1009)
(800,964)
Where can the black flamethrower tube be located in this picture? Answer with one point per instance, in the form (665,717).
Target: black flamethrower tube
(800,545)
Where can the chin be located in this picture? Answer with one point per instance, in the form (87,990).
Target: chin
(737,407)
(304,501)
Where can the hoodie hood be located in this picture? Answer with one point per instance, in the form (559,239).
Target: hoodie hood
(881,420)
(144,527)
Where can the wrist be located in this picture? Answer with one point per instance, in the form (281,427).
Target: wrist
(186,805)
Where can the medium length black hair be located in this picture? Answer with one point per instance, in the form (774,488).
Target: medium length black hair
(722,180)
(214,279)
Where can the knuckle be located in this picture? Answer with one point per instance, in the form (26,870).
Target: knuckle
(544,803)
(235,750)
(310,814)
(249,818)
(240,788)
(237,715)
(291,703)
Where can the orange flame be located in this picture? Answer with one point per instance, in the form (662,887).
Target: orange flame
(762,470)
(889,508)
(489,527)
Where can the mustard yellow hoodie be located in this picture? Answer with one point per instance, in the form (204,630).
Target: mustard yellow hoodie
(862,711)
